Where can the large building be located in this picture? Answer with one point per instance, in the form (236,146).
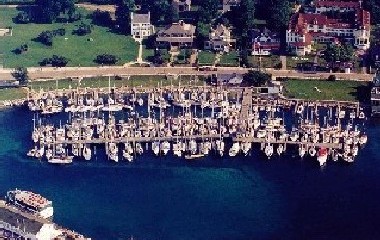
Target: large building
(322,6)
(177,35)
(15,224)
(19,226)
(308,28)
(141,26)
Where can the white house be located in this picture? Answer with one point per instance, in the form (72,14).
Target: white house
(141,26)
(220,39)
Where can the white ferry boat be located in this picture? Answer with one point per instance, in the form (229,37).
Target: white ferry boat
(31,202)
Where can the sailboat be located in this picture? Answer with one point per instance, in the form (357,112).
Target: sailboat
(87,152)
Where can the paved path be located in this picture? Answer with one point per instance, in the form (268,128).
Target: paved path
(57,73)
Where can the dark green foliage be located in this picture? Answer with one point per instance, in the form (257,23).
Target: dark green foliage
(22,18)
(256,78)
(280,13)
(373,6)
(21,75)
(47,11)
(83,29)
(331,78)
(338,53)
(55,61)
(123,15)
(46,37)
(208,10)
(106,59)
(101,18)
(23,48)
(161,11)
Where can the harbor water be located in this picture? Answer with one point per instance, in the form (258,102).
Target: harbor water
(212,198)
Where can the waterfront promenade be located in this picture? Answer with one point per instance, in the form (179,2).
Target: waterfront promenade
(37,73)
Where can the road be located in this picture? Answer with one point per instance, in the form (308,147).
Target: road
(59,73)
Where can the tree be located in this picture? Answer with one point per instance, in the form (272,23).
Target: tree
(373,6)
(55,61)
(247,19)
(21,75)
(123,15)
(83,29)
(279,20)
(48,10)
(106,59)
(338,53)
(101,18)
(22,17)
(256,78)
(208,10)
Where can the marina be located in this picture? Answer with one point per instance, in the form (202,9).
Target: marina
(191,122)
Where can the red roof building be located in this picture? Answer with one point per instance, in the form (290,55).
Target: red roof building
(307,28)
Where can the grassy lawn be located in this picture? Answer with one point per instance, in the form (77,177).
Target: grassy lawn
(230,59)
(147,54)
(338,90)
(78,49)
(291,61)
(206,58)
(265,62)
(134,81)
(12,93)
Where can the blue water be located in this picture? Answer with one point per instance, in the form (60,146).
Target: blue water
(169,198)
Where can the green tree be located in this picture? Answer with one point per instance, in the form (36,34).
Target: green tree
(279,20)
(373,6)
(208,10)
(123,15)
(48,10)
(256,78)
(21,75)
(247,20)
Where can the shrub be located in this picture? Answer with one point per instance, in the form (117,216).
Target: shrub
(106,59)
(55,61)
(331,78)
(83,29)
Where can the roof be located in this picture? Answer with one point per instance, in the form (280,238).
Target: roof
(17,220)
(230,78)
(340,4)
(180,27)
(177,32)
(140,18)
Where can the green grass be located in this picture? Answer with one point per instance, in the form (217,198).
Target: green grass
(206,58)
(78,49)
(134,81)
(265,62)
(230,59)
(147,54)
(338,90)
(12,93)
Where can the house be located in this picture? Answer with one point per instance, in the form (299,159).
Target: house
(322,6)
(227,79)
(308,28)
(375,95)
(177,35)
(141,26)
(227,5)
(264,42)
(181,5)
(220,39)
